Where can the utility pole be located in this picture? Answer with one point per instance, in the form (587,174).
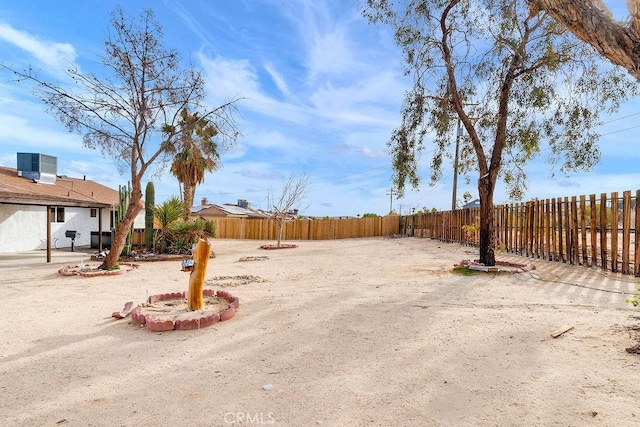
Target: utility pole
(391,193)
(455,160)
(455,167)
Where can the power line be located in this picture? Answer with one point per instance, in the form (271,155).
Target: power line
(620,130)
(391,193)
(620,118)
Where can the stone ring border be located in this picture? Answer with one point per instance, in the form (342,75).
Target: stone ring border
(206,319)
(282,246)
(71,270)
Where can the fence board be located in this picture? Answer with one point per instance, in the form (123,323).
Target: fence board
(603,231)
(583,229)
(574,232)
(626,230)
(614,232)
(637,241)
(554,226)
(547,225)
(593,230)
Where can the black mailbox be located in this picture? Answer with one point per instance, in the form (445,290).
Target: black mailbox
(72,235)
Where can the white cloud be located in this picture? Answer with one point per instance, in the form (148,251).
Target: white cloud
(20,131)
(57,56)
(330,54)
(228,79)
(279,80)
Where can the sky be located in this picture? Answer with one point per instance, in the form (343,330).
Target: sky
(320,88)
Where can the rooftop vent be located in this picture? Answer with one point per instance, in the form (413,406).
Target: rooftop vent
(243,203)
(39,167)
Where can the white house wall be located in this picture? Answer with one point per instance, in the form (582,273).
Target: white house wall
(24,228)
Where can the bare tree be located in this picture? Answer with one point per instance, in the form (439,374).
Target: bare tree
(516,81)
(592,22)
(283,208)
(132,111)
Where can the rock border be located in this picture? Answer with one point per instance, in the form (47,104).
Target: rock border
(516,268)
(282,246)
(84,271)
(156,324)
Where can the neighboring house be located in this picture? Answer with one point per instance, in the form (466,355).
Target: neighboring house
(472,204)
(38,207)
(240,210)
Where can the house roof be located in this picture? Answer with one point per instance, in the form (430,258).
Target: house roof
(227,209)
(475,203)
(208,210)
(15,189)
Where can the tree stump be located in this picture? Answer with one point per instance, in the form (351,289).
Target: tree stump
(195,299)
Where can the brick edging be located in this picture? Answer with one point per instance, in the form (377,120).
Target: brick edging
(206,318)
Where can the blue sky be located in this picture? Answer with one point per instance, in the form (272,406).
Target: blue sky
(322,91)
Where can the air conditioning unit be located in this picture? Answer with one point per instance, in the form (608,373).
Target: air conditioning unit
(39,167)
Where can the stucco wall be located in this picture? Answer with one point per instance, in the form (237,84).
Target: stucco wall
(24,228)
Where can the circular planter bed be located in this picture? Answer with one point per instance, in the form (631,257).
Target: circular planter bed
(282,246)
(88,270)
(166,312)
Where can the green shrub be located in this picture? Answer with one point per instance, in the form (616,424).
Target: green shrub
(633,300)
(180,236)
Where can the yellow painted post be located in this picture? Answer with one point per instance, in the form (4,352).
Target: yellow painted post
(195,298)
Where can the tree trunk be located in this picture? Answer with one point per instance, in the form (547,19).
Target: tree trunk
(189,193)
(195,298)
(618,42)
(280,224)
(487,242)
(122,230)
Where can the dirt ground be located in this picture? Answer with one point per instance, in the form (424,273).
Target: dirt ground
(358,332)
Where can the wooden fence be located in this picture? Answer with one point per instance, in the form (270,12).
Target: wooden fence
(303,229)
(316,229)
(594,232)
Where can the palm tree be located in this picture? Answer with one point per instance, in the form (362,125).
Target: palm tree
(196,154)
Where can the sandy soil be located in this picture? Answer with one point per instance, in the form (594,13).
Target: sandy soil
(360,332)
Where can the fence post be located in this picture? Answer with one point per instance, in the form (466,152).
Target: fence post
(603,230)
(635,229)
(583,228)
(626,230)
(593,228)
(614,232)
(575,259)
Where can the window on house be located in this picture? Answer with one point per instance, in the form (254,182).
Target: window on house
(94,212)
(57,214)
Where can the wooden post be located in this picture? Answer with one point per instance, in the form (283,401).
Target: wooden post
(583,229)
(533,233)
(560,232)
(567,231)
(574,231)
(547,231)
(593,228)
(554,234)
(637,233)
(195,298)
(603,230)
(626,230)
(614,232)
